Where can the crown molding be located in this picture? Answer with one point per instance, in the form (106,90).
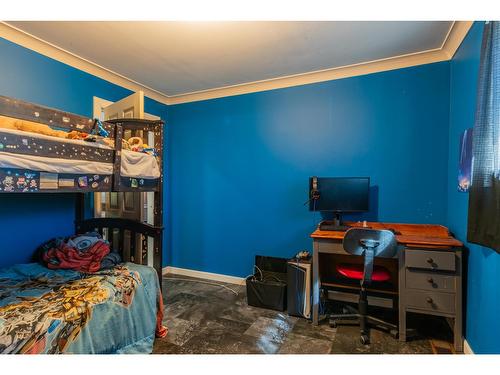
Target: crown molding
(454,38)
(45,48)
(452,41)
(391,63)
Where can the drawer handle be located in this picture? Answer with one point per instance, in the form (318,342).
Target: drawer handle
(430,260)
(429,300)
(430,280)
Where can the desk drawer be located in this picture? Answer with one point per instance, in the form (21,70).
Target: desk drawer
(431,260)
(430,301)
(330,247)
(416,279)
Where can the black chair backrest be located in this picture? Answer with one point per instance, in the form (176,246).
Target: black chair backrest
(383,242)
(370,243)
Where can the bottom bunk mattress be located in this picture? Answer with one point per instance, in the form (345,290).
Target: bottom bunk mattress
(62,311)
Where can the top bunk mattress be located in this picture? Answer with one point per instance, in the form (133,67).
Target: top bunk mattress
(53,139)
(134,164)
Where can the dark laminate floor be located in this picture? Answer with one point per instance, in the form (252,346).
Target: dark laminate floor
(207,319)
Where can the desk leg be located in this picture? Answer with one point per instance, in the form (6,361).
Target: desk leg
(315,290)
(401,295)
(402,324)
(458,339)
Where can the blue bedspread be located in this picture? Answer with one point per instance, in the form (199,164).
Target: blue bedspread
(47,311)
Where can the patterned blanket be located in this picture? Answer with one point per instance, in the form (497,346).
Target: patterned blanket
(63,311)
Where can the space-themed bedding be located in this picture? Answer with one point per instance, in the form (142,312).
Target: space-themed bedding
(116,310)
(32,162)
(133,164)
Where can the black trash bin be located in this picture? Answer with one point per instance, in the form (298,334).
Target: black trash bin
(267,287)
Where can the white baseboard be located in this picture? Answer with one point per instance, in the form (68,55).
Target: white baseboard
(204,275)
(467,348)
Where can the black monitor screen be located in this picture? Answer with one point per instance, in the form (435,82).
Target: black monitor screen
(346,194)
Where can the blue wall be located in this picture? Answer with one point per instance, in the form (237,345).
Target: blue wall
(28,220)
(483,302)
(240,165)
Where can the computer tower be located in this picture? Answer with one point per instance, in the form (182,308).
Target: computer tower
(299,280)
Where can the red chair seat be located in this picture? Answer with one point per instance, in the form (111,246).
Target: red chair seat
(355,271)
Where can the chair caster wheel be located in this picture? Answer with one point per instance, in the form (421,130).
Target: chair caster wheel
(365,340)
(394,333)
(333,323)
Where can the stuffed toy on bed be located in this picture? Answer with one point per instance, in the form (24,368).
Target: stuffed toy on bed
(136,144)
(34,127)
(75,134)
(30,126)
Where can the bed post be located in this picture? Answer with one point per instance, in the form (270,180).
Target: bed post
(79,209)
(158,205)
(118,157)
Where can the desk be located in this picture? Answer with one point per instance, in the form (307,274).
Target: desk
(429,272)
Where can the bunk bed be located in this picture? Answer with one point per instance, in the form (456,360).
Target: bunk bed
(114,310)
(53,150)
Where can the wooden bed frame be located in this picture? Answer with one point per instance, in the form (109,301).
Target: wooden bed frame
(124,235)
(128,237)
(56,148)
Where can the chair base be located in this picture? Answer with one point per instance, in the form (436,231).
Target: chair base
(364,321)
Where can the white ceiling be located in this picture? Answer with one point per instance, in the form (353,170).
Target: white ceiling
(183,57)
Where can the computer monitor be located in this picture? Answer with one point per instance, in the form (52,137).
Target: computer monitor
(339,195)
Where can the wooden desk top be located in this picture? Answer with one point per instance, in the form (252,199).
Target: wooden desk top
(410,235)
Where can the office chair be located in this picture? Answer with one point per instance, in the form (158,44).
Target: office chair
(369,243)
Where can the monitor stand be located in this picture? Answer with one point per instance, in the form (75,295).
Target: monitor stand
(335,225)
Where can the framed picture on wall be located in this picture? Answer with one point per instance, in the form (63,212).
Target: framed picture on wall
(465,161)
